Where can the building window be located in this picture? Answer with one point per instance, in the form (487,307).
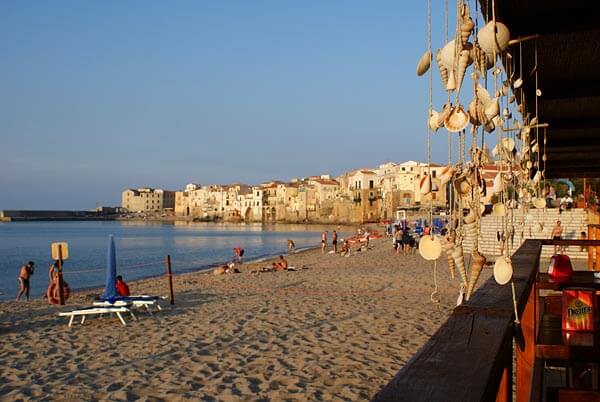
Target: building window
(433,173)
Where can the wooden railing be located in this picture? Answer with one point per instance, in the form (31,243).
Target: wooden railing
(470,357)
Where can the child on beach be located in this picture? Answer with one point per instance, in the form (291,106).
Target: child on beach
(122,288)
(24,277)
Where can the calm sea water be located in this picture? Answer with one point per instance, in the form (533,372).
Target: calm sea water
(141,248)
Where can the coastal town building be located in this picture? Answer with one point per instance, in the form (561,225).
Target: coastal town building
(147,199)
(361,195)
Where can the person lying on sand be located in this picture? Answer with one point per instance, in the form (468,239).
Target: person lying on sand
(281,264)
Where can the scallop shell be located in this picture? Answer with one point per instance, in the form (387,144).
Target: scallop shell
(430,247)
(446,110)
(457,120)
(493,38)
(503,270)
(424,63)
(477,263)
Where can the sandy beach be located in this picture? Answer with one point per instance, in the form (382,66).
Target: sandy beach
(335,331)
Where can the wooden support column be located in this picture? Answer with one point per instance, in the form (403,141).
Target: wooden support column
(525,350)
(505,388)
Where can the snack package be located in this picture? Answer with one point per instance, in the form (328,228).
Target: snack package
(578,309)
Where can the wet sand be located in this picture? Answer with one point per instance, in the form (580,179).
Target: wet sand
(337,330)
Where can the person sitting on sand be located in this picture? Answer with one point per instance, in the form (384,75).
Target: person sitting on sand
(122,288)
(291,246)
(281,264)
(24,277)
(345,248)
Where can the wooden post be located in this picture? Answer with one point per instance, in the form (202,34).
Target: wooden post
(525,348)
(170,276)
(61,291)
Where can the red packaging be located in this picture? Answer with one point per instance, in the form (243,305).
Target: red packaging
(560,266)
(578,309)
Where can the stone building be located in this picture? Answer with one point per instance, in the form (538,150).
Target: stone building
(147,200)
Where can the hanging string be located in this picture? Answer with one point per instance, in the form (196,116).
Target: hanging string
(434,297)
(514,297)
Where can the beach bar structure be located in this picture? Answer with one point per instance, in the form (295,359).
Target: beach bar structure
(480,353)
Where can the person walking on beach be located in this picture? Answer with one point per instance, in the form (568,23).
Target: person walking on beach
(24,278)
(323,242)
(334,241)
(238,253)
(557,234)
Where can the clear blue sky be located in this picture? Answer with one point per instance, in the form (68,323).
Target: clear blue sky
(98,96)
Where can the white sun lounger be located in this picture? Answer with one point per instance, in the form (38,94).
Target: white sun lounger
(133,301)
(95,310)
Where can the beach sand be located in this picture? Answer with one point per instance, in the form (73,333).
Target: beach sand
(338,330)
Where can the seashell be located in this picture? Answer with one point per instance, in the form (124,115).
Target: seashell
(506,113)
(508,144)
(457,120)
(538,92)
(503,270)
(446,110)
(539,203)
(511,99)
(533,121)
(537,177)
(482,94)
(477,263)
(486,158)
(518,83)
(529,164)
(534,148)
(443,70)
(464,60)
(424,63)
(432,122)
(492,109)
(430,247)
(459,259)
(451,84)
(446,174)
(493,39)
(472,111)
(498,185)
(466,28)
(461,185)
(447,55)
(425,185)
(498,210)
(448,246)
(505,88)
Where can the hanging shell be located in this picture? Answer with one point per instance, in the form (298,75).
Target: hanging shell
(492,109)
(459,259)
(539,203)
(466,29)
(464,60)
(446,174)
(482,95)
(470,217)
(443,115)
(448,246)
(451,84)
(472,111)
(503,270)
(477,263)
(493,39)
(457,120)
(433,120)
(443,70)
(498,185)
(425,185)
(430,247)
(518,83)
(508,144)
(424,63)
(461,185)
(498,209)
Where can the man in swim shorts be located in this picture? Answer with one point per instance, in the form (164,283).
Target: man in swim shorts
(24,277)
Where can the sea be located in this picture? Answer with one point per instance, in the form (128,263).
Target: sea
(141,248)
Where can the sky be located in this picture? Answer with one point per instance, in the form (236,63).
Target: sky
(99,96)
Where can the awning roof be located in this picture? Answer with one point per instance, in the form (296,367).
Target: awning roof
(568,60)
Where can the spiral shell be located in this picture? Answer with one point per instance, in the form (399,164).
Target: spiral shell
(477,263)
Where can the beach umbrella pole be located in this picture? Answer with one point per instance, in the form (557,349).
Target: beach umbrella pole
(170,278)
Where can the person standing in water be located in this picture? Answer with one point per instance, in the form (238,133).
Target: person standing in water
(334,240)
(323,242)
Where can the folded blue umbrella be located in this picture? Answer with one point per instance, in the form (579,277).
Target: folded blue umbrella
(110,290)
